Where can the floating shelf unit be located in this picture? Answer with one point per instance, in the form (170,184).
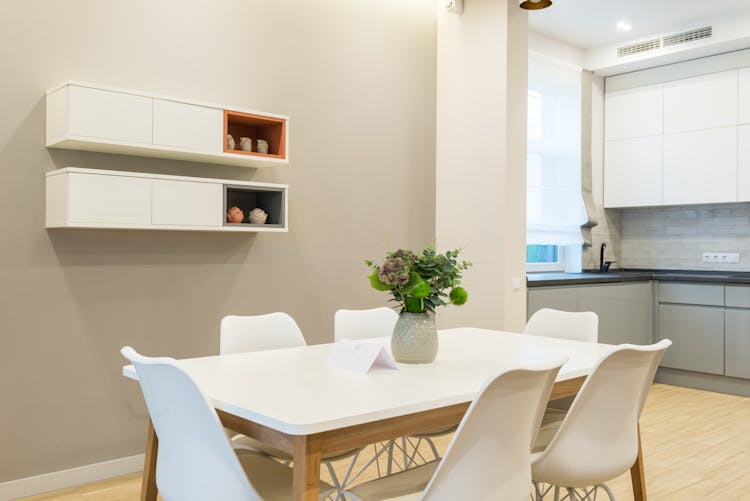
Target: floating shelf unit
(90,117)
(104,199)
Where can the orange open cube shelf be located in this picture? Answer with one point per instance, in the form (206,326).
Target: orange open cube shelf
(256,127)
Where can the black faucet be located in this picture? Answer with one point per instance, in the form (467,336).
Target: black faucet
(604,265)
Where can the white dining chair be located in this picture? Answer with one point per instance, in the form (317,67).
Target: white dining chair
(272,331)
(242,334)
(578,326)
(597,440)
(363,324)
(490,455)
(359,325)
(195,460)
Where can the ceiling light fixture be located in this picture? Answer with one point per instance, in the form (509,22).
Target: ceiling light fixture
(535,4)
(623,26)
(455,6)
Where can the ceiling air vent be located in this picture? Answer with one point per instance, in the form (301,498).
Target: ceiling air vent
(637,48)
(687,36)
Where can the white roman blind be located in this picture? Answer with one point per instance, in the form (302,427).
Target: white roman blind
(555,209)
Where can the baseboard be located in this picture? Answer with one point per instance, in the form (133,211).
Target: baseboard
(63,479)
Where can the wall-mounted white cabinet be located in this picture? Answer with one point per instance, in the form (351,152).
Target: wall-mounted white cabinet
(704,152)
(190,126)
(634,172)
(634,113)
(178,202)
(743,162)
(77,111)
(92,198)
(702,102)
(744,96)
(89,117)
(700,167)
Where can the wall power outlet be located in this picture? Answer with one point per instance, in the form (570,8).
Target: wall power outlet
(721,257)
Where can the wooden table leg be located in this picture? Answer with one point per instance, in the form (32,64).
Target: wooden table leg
(148,484)
(306,483)
(637,476)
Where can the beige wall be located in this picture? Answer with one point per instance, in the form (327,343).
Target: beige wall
(358,80)
(481,157)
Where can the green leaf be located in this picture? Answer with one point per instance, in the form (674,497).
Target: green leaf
(378,284)
(414,305)
(414,280)
(421,290)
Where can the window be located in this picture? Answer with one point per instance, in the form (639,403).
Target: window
(544,257)
(554,205)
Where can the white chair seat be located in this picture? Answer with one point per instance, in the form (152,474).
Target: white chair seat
(271,479)
(241,442)
(404,485)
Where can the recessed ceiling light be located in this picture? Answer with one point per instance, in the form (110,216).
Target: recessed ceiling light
(623,26)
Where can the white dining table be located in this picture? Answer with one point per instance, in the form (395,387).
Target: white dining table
(290,399)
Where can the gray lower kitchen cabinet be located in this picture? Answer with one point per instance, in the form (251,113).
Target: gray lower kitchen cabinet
(703,294)
(624,310)
(697,334)
(737,340)
(563,298)
(738,296)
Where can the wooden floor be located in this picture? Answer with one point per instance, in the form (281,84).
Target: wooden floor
(696,447)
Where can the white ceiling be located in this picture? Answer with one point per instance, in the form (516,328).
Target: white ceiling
(592,23)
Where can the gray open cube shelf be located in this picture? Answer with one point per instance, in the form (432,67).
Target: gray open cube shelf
(271,200)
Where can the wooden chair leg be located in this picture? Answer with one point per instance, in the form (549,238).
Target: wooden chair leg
(148,485)
(637,476)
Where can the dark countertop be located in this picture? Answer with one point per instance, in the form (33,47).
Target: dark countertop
(595,277)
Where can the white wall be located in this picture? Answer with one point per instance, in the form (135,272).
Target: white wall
(357,79)
(556,50)
(481,157)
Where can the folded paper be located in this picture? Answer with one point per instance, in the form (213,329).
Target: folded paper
(360,357)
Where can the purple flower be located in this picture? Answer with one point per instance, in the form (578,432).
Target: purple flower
(395,271)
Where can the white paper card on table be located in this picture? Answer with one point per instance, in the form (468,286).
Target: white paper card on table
(359,357)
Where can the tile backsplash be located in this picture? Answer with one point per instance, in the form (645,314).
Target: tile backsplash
(608,230)
(676,237)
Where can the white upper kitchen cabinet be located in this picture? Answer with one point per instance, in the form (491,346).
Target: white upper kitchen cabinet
(634,112)
(702,102)
(98,115)
(743,174)
(744,96)
(700,167)
(188,126)
(633,174)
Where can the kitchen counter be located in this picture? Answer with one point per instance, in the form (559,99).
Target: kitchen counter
(596,277)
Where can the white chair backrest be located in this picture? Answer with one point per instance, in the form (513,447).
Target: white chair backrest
(363,324)
(490,454)
(241,334)
(601,428)
(195,460)
(578,326)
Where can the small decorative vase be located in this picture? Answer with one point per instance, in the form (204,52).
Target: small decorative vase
(414,339)
(262,146)
(246,144)
(257,216)
(235,215)
(230,142)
